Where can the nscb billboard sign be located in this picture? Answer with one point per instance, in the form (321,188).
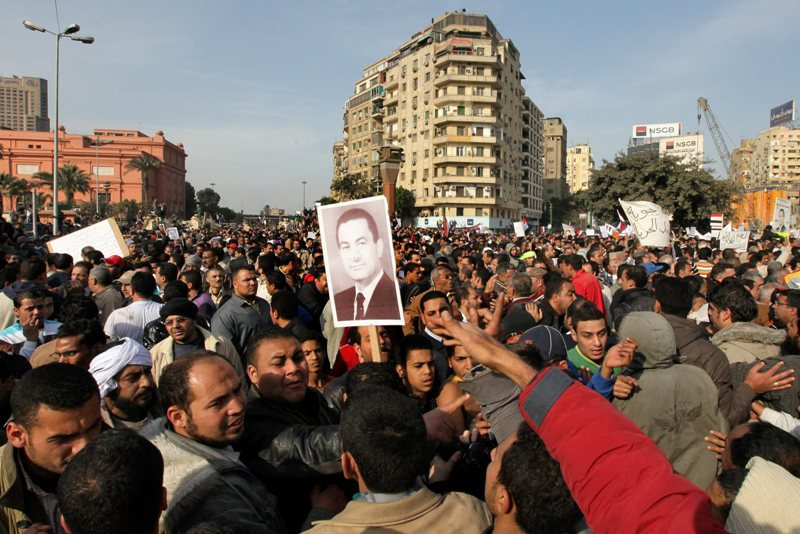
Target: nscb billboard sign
(781,114)
(646,131)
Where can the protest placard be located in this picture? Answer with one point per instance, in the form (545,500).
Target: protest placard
(519,229)
(735,239)
(650,223)
(103,236)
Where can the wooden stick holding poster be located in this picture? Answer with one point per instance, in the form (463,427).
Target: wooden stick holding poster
(374,344)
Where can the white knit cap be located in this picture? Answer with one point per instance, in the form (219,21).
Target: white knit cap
(106,365)
(768,501)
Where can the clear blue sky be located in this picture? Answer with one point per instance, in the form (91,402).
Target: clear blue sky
(255,89)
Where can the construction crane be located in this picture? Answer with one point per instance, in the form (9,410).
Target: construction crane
(716,133)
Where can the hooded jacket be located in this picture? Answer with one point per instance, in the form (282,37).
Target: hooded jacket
(695,349)
(675,404)
(748,342)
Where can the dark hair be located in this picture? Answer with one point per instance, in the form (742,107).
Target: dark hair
(719,268)
(575,261)
(584,310)
(554,286)
(733,296)
(113,485)
(284,302)
(461,293)
(409,343)
(372,374)
(268,334)
(276,278)
(530,354)
(384,432)
(793,298)
(95,257)
(521,282)
(33,292)
(674,295)
(410,267)
(770,443)
(266,262)
(730,481)
(32,269)
(175,289)
(637,274)
(354,214)
(78,307)
(431,295)
(168,271)
(239,268)
(533,480)
(173,385)
(143,284)
(90,329)
(194,278)
(59,386)
(62,261)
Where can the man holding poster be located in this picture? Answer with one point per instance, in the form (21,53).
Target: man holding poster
(362,247)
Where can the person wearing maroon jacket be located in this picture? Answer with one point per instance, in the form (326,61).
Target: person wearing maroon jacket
(586,285)
(617,475)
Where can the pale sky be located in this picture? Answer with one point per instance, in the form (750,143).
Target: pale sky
(255,89)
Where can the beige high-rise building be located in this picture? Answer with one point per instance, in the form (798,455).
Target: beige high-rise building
(742,162)
(580,165)
(451,97)
(23,104)
(776,159)
(555,159)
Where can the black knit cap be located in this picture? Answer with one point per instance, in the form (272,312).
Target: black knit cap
(178,306)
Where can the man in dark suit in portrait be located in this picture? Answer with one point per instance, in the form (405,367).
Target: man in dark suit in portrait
(374,295)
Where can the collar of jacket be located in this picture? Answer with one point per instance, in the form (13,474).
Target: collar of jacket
(12,484)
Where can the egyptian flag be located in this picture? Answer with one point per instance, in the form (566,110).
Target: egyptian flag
(445,225)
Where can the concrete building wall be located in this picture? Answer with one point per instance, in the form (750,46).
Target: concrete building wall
(23,104)
(580,165)
(555,158)
(26,153)
(451,97)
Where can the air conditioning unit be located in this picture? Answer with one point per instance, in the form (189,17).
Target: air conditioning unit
(452,188)
(487,191)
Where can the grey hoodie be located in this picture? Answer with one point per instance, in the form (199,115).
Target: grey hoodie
(675,404)
(748,342)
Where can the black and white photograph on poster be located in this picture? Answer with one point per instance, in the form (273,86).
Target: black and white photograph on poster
(782,215)
(359,261)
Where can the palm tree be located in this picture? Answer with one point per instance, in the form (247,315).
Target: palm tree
(144,163)
(12,187)
(72,180)
(6,182)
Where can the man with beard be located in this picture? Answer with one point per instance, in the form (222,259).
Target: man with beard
(122,372)
(204,401)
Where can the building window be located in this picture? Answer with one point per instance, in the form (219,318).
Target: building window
(479,151)
(461,130)
(462,90)
(460,211)
(460,171)
(459,151)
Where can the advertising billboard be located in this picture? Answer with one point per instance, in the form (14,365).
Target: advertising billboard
(781,114)
(644,131)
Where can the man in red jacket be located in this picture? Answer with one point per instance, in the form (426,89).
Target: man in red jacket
(586,285)
(618,477)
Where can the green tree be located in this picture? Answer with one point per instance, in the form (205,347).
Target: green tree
(144,164)
(228,215)
(12,187)
(190,200)
(208,200)
(72,180)
(350,187)
(403,203)
(688,193)
(325,201)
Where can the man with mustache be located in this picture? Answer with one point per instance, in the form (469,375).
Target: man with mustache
(123,374)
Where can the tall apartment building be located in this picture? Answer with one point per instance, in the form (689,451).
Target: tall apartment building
(555,159)
(776,159)
(580,165)
(23,104)
(451,97)
(742,162)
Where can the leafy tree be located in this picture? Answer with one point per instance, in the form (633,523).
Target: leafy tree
(350,187)
(12,187)
(190,202)
(403,203)
(228,215)
(72,180)
(125,210)
(144,164)
(325,201)
(688,193)
(208,200)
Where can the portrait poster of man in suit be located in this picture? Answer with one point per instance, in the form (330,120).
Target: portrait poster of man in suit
(357,245)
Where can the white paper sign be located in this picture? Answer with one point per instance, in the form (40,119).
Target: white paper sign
(590,231)
(173,233)
(567,229)
(603,231)
(103,236)
(650,223)
(519,229)
(735,239)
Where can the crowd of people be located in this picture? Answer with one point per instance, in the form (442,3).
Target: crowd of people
(540,384)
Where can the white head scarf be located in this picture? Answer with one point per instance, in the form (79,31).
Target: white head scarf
(106,365)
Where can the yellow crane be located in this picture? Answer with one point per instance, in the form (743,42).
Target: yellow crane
(716,133)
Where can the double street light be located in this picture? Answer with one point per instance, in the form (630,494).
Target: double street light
(70,32)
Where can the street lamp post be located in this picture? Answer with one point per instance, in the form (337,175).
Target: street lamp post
(70,32)
(97,144)
(304,195)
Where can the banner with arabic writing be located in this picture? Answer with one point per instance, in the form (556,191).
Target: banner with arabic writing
(650,223)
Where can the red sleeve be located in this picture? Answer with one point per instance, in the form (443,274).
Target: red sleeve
(617,475)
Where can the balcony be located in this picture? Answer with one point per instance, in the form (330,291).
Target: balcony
(478,119)
(466,180)
(466,58)
(446,79)
(467,160)
(478,99)
(442,139)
